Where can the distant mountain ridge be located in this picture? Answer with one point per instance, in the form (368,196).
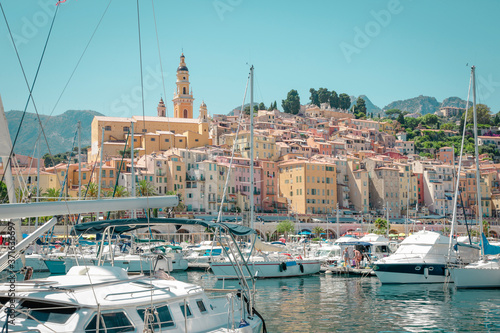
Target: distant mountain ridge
(420,104)
(60,130)
(425,104)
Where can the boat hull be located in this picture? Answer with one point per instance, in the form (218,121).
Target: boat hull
(268,269)
(411,273)
(476,277)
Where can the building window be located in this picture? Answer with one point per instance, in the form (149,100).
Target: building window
(166,140)
(144,130)
(153,139)
(107,128)
(126,128)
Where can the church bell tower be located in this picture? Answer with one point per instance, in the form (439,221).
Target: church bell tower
(183,97)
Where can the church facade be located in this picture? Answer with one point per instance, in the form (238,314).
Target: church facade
(154,133)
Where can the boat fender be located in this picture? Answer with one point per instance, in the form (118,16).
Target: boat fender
(426,272)
(283,266)
(301,267)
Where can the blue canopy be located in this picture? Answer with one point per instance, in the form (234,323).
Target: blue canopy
(305,232)
(126,225)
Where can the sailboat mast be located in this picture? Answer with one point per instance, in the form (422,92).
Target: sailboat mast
(79,160)
(252,183)
(476,150)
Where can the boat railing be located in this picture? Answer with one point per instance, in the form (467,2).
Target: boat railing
(132,293)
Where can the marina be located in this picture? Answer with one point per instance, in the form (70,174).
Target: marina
(326,215)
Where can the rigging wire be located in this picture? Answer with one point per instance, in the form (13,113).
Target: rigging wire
(219,216)
(30,88)
(159,57)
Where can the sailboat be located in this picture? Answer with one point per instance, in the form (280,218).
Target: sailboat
(264,265)
(99,298)
(484,273)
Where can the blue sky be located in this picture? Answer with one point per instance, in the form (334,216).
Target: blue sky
(387,50)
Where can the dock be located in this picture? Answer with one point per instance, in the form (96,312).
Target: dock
(339,270)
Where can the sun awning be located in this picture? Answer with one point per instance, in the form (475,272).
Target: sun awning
(126,225)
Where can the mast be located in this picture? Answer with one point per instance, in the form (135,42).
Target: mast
(79,160)
(132,159)
(338,226)
(38,176)
(476,151)
(252,182)
(459,170)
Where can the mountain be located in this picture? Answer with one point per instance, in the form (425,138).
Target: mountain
(60,130)
(455,102)
(370,107)
(231,113)
(420,104)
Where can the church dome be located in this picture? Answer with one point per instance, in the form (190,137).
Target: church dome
(182,68)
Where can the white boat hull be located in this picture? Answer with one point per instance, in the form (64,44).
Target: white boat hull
(476,278)
(268,269)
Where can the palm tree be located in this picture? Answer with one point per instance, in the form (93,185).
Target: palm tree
(381,225)
(91,190)
(284,227)
(52,194)
(145,188)
(318,231)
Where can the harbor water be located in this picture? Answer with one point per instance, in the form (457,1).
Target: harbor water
(328,303)
(331,303)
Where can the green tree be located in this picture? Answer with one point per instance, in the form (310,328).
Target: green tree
(92,190)
(145,188)
(52,194)
(285,227)
(411,123)
(401,119)
(430,120)
(314,97)
(381,226)
(262,106)
(318,231)
(292,102)
(448,126)
(483,115)
(323,95)
(359,108)
(4,198)
(273,106)
(392,113)
(496,120)
(127,152)
(334,100)
(344,101)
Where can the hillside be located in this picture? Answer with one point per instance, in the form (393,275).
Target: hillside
(420,104)
(370,107)
(60,130)
(455,102)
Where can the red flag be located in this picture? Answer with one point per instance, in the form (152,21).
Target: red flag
(60,1)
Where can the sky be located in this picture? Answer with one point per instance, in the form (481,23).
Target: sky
(388,50)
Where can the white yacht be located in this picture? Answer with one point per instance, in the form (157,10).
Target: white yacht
(421,258)
(95,299)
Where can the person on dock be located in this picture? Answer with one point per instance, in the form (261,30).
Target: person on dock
(346,257)
(357,257)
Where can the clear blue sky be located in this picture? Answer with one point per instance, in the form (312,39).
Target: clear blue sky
(387,50)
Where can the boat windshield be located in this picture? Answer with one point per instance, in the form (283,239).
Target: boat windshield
(45,312)
(160,317)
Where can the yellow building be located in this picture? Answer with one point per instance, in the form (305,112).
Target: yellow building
(309,187)
(264,146)
(153,134)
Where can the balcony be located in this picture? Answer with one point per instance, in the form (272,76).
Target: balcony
(160,173)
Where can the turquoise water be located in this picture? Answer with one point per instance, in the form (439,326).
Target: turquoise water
(325,303)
